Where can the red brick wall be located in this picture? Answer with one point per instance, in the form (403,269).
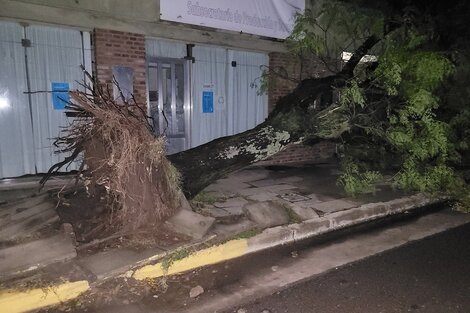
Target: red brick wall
(294,68)
(115,48)
(298,153)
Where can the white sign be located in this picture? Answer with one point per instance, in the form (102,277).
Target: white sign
(270,18)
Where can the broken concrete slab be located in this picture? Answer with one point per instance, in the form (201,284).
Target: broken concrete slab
(315,198)
(225,215)
(336,205)
(267,214)
(184,203)
(215,212)
(225,230)
(305,213)
(190,223)
(231,203)
(36,254)
(235,210)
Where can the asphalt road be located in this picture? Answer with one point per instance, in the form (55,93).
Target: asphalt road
(431,275)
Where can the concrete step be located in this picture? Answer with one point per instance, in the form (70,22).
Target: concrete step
(36,254)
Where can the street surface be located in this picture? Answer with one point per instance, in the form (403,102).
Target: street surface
(431,275)
(418,264)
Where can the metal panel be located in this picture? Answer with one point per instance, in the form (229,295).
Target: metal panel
(31,59)
(210,68)
(55,55)
(247,107)
(238,107)
(16,140)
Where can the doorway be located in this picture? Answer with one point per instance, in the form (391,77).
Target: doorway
(169,101)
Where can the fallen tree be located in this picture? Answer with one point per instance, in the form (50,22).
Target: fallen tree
(386,107)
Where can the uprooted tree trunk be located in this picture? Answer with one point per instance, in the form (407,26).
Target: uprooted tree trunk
(126,166)
(127,161)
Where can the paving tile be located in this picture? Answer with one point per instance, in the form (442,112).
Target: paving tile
(292,179)
(233,229)
(265,182)
(263,196)
(227,186)
(231,202)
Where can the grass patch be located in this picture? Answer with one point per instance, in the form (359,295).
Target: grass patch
(294,218)
(206,198)
(174,256)
(246,234)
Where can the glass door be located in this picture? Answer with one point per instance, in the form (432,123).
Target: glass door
(169,104)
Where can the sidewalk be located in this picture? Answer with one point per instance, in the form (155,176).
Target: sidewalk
(251,210)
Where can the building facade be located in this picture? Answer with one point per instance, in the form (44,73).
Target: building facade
(198,82)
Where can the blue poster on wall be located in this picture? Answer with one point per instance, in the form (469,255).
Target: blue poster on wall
(207,102)
(60,95)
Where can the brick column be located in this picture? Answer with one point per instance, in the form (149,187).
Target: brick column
(293,68)
(278,88)
(115,48)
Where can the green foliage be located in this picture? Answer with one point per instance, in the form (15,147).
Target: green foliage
(356,181)
(294,218)
(414,130)
(352,95)
(246,234)
(333,27)
(421,129)
(207,198)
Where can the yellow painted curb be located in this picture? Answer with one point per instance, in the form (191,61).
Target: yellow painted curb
(12,301)
(212,255)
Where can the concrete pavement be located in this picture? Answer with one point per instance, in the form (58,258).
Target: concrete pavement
(306,201)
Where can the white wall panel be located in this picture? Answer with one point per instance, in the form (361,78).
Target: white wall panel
(210,68)
(55,55)
(237,106)
(246,107)
(29,123)
(164,49)
(16,142)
